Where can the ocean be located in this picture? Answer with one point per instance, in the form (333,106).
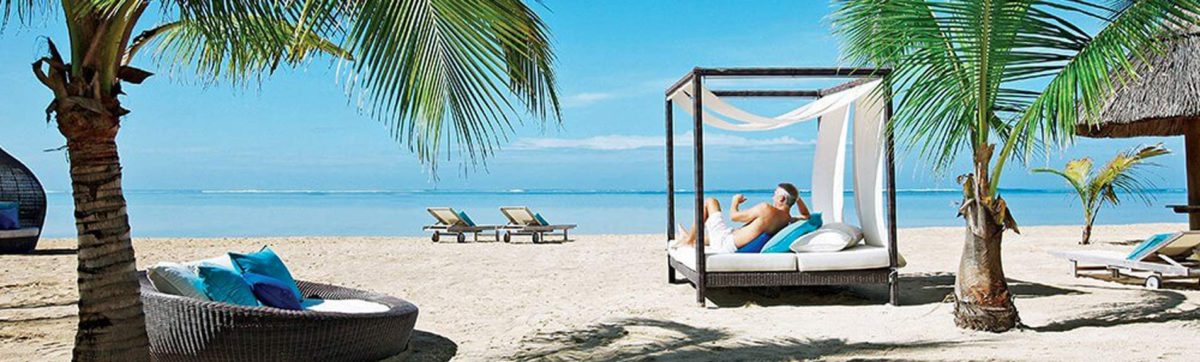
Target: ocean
(215,213)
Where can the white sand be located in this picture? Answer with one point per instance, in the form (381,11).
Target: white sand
(606,297)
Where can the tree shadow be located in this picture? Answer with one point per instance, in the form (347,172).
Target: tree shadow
(659,340)
(1157,306)
(915,289)
(59,251)
(427,347)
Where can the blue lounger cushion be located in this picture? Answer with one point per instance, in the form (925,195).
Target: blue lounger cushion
(266,262)
(227,286)
(466,220)
(9,215)
(1146,247)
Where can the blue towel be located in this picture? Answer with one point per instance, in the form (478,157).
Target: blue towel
(756,245)
(1154,242)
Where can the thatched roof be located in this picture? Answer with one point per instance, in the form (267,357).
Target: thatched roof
(1159,101)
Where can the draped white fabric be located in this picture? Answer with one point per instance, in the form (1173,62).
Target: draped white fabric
(859,105)
(830,157)
(870,148)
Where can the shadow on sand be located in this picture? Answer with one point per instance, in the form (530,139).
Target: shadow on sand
(1156,306)
(659,340)
(59,251)
(915,289)
(427,347)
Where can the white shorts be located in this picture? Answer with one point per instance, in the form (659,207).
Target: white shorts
(719,234)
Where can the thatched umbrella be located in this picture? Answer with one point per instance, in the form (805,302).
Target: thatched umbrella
(1163,100)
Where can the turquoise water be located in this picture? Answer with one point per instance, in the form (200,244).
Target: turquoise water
(384,213)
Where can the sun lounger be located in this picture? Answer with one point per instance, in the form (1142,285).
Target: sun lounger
(1161,257)
(450,222)
(521,221)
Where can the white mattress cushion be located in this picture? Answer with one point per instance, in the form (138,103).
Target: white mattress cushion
(733,262)
(859,257)
(348,306)
(19,233)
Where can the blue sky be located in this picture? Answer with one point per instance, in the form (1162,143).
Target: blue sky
(297,130)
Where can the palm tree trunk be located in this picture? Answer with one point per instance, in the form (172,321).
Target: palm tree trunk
(111,324)
(1087,233)
(982,300)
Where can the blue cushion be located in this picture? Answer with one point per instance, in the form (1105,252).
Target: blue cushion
(755,245)
(541,220)
(272,292)
(9,215)
(265,262)
(1154,242)
(782,241)
(465,219)
(226,285)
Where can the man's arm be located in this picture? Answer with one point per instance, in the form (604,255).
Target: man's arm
(804,214)
(738,215)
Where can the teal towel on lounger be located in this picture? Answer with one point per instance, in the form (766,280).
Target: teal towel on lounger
(1154,242)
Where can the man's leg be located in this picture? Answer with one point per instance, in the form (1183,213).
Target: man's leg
(711,206)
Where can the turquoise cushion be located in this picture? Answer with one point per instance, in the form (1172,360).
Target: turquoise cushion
(265,262)
(541,220)
(782,241)
(227,286)
(465,219)
(1154,242)
(272,292)
(9,215)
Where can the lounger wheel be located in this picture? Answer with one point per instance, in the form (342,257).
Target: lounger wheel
(462,238)
(537,238)
(435,237)
(507,237)
(1153,282)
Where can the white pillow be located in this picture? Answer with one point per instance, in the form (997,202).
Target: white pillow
(176,279)
(829,238)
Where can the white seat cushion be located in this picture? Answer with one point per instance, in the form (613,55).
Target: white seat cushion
(733,262)
(859,257)
(348,306)
(19,233)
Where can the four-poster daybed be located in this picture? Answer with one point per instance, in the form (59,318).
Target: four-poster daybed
(876,261)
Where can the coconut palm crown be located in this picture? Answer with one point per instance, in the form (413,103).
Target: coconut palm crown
(996,80)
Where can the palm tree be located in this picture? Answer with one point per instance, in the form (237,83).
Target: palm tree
(441,74)
(963,74)
(1096,189)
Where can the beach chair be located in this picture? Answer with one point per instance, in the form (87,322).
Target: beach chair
(450,222)
(1161,257)
(521,221)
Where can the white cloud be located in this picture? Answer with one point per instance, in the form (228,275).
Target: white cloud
(631,142)
(586,99)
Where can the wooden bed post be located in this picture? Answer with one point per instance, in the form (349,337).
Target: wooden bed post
(1191,146)
(670,187)
(698,146)
(893,254)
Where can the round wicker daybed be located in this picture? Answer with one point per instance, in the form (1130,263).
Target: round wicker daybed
(185,329)
(18,183)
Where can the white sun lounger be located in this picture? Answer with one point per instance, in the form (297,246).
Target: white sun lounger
(521,221)
(1161,257)
(449,223)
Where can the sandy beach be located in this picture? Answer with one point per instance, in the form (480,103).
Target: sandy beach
(605,297)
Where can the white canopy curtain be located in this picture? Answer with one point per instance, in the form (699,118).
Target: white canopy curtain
(860,107)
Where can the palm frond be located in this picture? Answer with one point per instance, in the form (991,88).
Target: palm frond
(24,10)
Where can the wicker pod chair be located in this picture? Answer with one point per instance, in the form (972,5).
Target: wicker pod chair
(19,184)
(186,329)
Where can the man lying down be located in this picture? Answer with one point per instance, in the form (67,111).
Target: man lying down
(762,218)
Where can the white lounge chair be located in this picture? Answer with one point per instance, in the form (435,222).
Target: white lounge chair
(450,222)
(521,221)
(1161,257)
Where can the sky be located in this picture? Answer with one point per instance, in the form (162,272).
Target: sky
(297,130)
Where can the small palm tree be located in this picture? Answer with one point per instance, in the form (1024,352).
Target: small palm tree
(1100,188)
(443,75)
(963,70)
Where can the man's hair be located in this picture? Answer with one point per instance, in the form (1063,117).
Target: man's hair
(792,192)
